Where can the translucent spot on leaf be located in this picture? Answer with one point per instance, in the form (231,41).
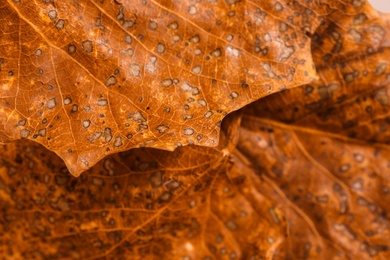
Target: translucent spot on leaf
(173,26)
(42,132)
(233,51)
(267,37)
(357,36)
(192,10)
(60,24)
(71,49)
(231,13)
(95,136)
(233,95)
(358,157)
(151,65)
(216,53)
(118,141)
(283,27)
(196,69)
(24,133)
(229,37)
(153,25)
(51,103)
(160,48)
(135,70)
(137,117)
(87,46)
(127,24)
(198,52)
(111,81)
(187,116)
(127,52)
(162,128)
(128,39)
(192,203)
(52,14)
(381,96)
(75,108)
(107,134)
(22,122)
(278,7)
(38,52)
(195,39)
(87,108)
(345,230)
(230,224)
(85,123)
(202,102)
(172,185)
(349,77)
(186,87)
(195,91)
(188,131)
(344,167)
(208,114)
(120,15)
(156,179)
(102,102)
(357,185)
(359,19)
(287,51)
(67,101)
(166,196)
(97,181)
(166,82)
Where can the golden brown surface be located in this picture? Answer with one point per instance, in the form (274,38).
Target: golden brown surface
(285,192)
(91,78)
(300,174)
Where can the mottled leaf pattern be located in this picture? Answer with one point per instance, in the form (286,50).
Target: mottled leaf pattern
(300,174)
(91,78)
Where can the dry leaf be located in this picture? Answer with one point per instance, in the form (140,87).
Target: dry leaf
(301,174)
(284,193)
(91,78)
(351,97)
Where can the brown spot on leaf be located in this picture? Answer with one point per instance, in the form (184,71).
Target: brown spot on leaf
(111,81)
(87,46)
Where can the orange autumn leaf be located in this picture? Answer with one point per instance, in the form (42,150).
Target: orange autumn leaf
(300,174)
(91,78)
(283,192)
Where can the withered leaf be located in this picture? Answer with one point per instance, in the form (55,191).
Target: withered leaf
(351,97)
(283,193)
(292,177)
(81,68)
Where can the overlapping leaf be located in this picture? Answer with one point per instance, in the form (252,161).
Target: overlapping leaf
(351,97)
(284,193)
(90,78)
